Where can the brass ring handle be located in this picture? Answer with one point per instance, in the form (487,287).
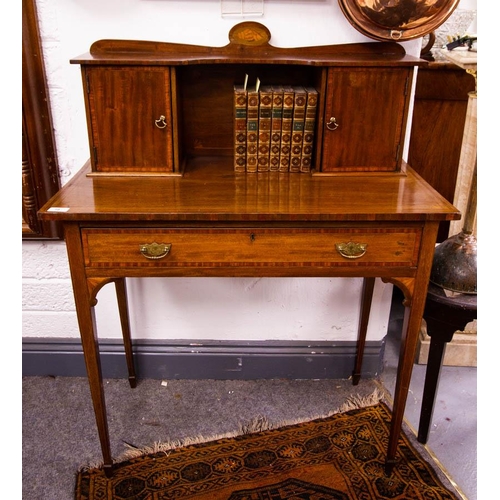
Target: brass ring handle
(161,123)
(396,34)
(155,250)
(332,124)
(351,250)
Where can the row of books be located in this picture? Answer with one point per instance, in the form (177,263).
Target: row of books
(274,128)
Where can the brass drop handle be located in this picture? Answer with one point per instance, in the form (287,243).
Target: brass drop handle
(155,250)
(351,250)
(161,123)
(332,124)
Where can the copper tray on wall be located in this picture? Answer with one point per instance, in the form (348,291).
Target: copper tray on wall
(397,20)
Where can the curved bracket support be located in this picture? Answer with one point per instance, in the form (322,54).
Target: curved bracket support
(406,285)
(94,285)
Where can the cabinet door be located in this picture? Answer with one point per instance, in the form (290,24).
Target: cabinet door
(130,119)
(365,118)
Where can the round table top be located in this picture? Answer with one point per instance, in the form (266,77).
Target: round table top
(462,300)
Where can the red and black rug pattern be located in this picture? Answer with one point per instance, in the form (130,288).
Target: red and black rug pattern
(341,457)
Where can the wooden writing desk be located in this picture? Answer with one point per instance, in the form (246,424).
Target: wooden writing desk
(361,212)
(219,223)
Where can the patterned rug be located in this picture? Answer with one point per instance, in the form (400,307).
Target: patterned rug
(339,457)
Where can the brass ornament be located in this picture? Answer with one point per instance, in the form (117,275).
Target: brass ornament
(397,20)
(161,123)
(351,250)
(155,250)
(332,124)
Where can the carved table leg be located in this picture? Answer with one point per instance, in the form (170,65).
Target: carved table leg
(366,304)
(121,295)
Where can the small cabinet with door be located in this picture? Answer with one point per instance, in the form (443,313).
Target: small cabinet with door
(365,116)
(130,125)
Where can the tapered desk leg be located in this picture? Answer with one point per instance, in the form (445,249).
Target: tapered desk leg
(83,290)
(411,328)
(94,374)
(366,304)
(121,295)
(405,365)
(415,291)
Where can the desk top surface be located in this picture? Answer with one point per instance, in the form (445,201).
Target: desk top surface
(210,191)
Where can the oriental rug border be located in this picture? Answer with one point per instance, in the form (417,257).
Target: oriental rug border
(337,457)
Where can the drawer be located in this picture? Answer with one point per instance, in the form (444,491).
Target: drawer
(255,247)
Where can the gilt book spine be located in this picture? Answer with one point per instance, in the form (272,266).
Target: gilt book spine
(240,128)
(264,138)
(276,121)
(252,129)
(309,128)
(286,129)
(299,111)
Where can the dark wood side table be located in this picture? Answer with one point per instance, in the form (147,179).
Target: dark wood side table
(444,316)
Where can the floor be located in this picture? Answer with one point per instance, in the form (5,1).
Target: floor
(453,433)
(57,438)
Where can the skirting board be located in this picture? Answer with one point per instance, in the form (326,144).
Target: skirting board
(219,360)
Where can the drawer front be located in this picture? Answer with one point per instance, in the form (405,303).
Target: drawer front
(254,247)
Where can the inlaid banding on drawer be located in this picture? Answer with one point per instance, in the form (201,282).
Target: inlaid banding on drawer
(254,247)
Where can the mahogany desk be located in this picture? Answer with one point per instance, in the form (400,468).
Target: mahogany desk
(214,222)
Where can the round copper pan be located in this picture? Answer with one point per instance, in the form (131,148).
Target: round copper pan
(397,20)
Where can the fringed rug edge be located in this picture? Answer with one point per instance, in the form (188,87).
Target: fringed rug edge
(257,424)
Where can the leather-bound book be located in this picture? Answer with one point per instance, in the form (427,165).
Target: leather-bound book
(252,128)
(276,121)
(264,139)
(309,128)
(286,128)
(299,112)
(240,128)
